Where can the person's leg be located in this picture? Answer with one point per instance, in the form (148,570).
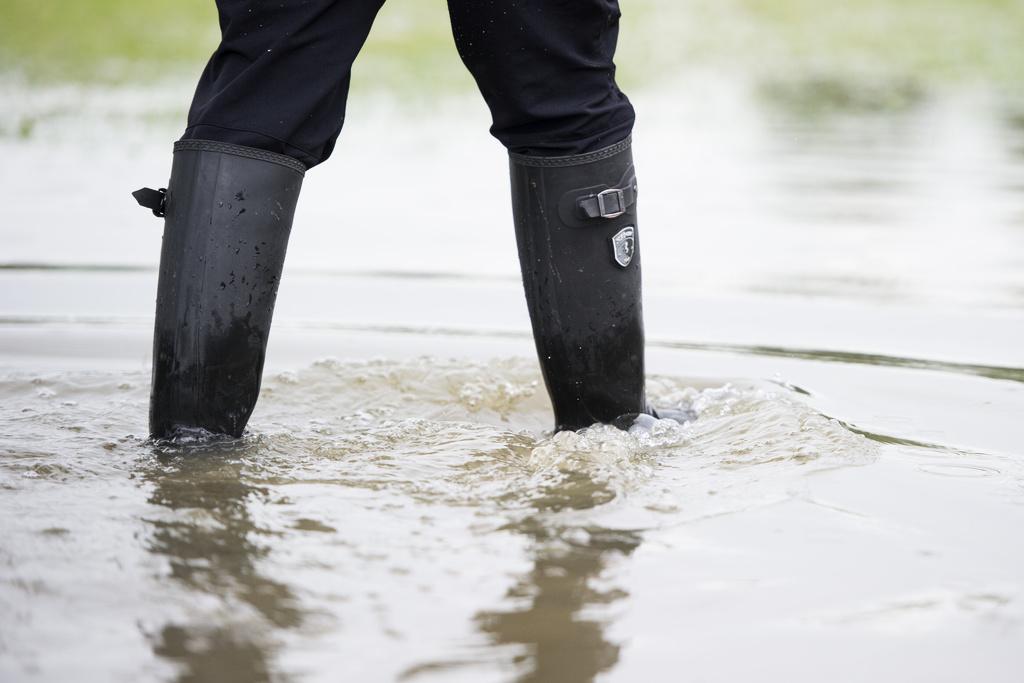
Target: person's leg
(279,79)
(545,69)
(270,104)
(228,216)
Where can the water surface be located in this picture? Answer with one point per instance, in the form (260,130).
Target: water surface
(833,285)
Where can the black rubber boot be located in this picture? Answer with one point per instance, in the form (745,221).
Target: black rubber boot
(577,233)
(228,213)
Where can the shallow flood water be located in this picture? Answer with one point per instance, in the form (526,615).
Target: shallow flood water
(836,296)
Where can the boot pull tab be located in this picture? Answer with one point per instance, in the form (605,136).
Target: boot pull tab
(155,200)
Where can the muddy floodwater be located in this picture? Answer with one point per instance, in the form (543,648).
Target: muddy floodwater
(837,292)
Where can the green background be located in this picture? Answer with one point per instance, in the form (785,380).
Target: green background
(921,42)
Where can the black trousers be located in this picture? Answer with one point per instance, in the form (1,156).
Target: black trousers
(279,79)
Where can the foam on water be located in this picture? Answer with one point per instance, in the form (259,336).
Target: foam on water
(362,490)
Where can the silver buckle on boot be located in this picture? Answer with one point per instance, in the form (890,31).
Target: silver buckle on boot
(611,203)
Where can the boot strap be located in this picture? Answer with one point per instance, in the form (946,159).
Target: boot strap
(610,203)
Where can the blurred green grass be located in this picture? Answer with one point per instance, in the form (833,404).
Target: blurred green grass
(923,42)
(935,40)
(106,40)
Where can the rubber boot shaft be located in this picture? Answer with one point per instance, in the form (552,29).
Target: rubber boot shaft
(228,216)
(585,306)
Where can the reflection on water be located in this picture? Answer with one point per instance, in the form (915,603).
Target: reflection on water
(214,548)
(553,613)
(990,371)
(404,520)
(550,618)
(834,186)
(1013,116)
(873,190)
(1013,119)
(215,654)
(809,98)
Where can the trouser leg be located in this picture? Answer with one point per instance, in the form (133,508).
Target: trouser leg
(546,71)
(279,79)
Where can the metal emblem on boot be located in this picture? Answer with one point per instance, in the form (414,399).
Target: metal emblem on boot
(623,245)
